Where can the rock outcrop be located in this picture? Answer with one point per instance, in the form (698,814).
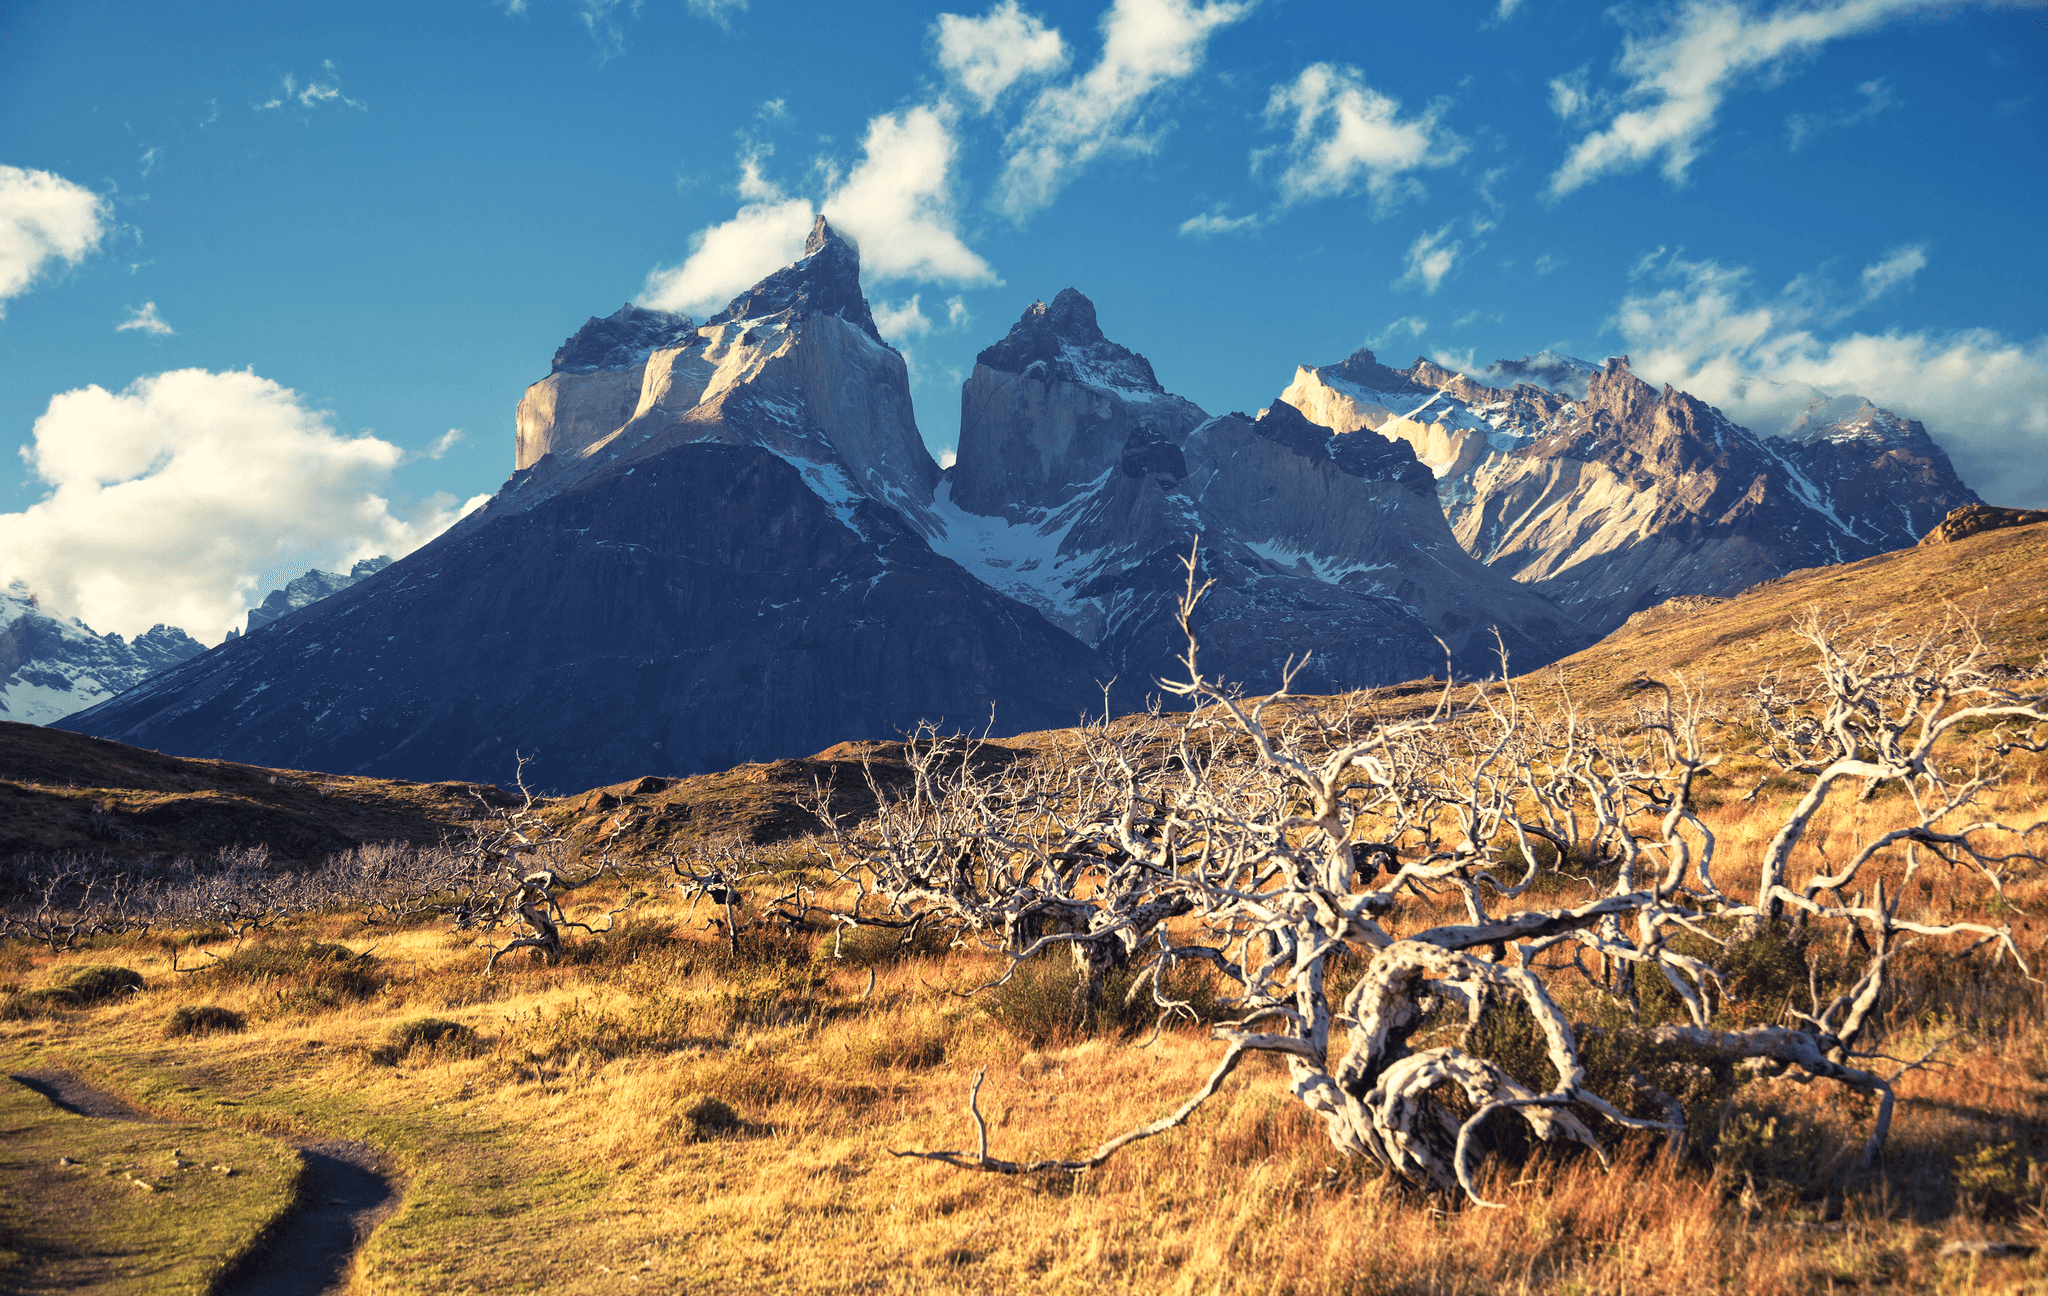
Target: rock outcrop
(51,666)
(1082,485)
(1972,519)
(737,572)
(1612,496)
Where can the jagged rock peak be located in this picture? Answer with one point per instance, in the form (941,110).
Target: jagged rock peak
(825,280)
(1066,340)
(1363,367)
(620,340)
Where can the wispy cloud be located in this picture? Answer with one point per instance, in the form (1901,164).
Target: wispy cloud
(45,220)
(1408,326)
(1210,223)
(1898,267)
(1147,45)
(145,320)
(1430,258)
(1679,75)
(1801,127)
(315,92)
(988,55)
(1346,134)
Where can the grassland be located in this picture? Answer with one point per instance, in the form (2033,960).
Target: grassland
(658,1110)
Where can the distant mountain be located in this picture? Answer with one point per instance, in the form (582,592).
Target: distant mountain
(51,666)
(306,590)
(737,571)
(1081,485)
(1611,496)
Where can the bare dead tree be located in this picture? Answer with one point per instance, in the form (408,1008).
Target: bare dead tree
(500,885)
(1288,843)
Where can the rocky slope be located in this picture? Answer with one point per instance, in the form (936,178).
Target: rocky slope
(1082,484)
(1611,496)
(51,666)
(719,579)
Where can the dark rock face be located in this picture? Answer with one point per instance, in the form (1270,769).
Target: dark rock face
(824,281)
(624,338)
(1050,408)
(1971,519)
(1082,486)
(702,609)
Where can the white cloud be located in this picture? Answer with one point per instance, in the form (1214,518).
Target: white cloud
(987,55)
(1898,266)
(957,314)
(1146,46)
(44,218)
(1547,263)
(1407,326)
(896,204)
(1569,96)
(948,457)
(902,320)
(725,260)
(1210,223)
(145,320)
(1983,396)
(315,92)
(1801,127)
(1678,77)
(168,499)
(444,443)
(1346,133)
(1507,9)
(1430,258)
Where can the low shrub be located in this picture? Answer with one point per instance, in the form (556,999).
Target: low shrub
(654,1024)
(203,1019)
(699,1116)
(430,1035)
(98,982)
(302,975)
(30,1005)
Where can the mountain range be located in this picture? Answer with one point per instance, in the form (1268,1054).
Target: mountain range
(727,542)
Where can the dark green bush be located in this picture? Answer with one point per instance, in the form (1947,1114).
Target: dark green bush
(28,1005)
(203,1019)
(98,982)
(417,1035)
(699,1116)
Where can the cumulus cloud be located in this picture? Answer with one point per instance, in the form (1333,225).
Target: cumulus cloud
(987,55)
(1146,46)
(1346,134)
(313,92)
(1430,258)
(902,319)
(44,219)
(1210,223)
(167,500)
(1679,76)
(897,204)
(1764,358)
(145,320)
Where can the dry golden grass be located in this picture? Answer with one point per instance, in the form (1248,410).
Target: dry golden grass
(556,1151)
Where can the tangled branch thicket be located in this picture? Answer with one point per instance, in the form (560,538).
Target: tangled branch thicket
(1284,843)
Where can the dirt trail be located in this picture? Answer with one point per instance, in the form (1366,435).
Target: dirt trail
(342,1197)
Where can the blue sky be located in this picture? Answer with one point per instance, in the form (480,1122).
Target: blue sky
(310,255)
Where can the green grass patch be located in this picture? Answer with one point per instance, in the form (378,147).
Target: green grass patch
(119,1206)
